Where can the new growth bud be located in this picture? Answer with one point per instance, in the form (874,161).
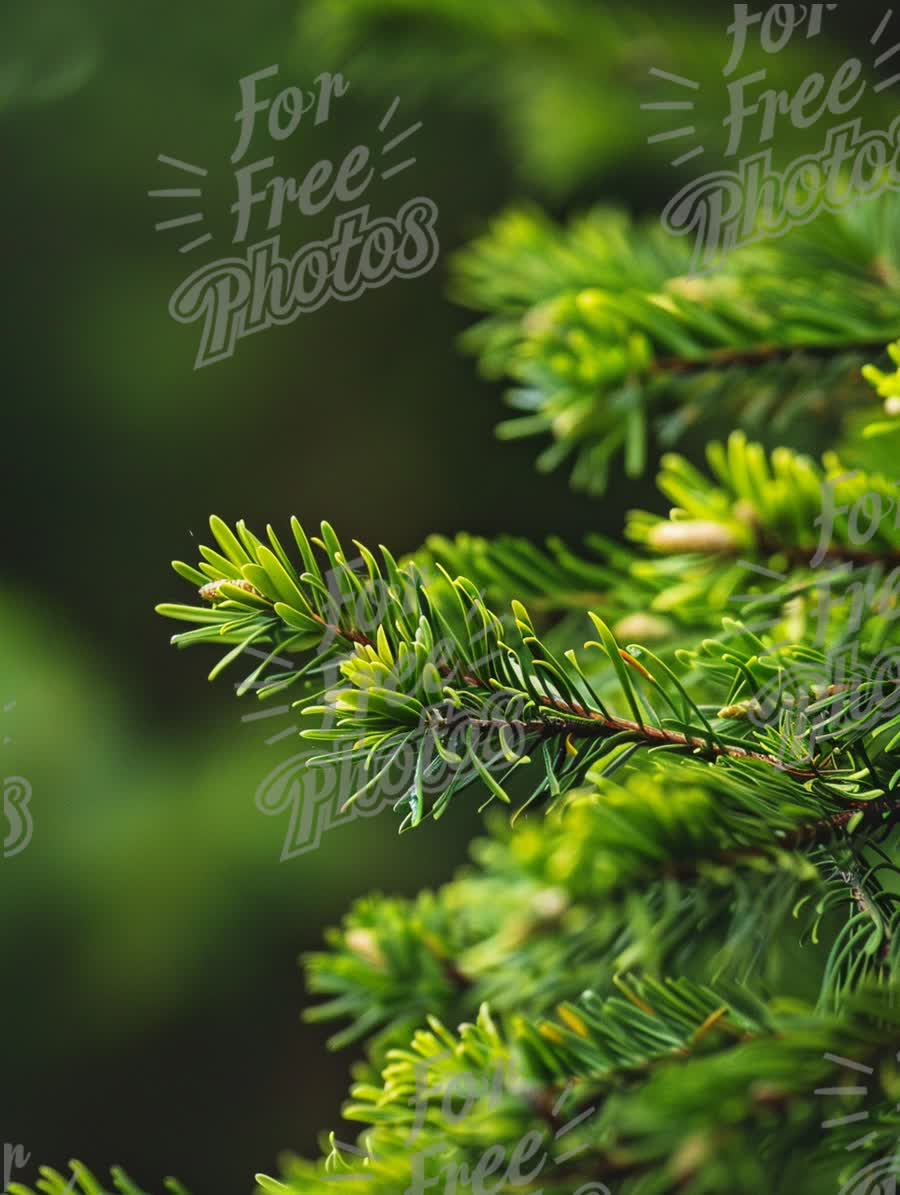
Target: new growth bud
(212,590)
(697,535)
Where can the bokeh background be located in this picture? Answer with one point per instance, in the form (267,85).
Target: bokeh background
(150,935)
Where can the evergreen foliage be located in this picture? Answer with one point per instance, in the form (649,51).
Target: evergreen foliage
(606,333)
(665,971)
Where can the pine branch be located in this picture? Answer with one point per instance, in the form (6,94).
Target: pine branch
(716,858)
(707,803)
(813,551)
(603,330)
(778,504)
(428,682)
(735,1069)
(52,1182)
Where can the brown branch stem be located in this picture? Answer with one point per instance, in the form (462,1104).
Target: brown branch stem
(760,354)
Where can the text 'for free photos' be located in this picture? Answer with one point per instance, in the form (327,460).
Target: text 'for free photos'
(235,296)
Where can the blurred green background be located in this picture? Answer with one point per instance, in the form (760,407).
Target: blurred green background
(150,934)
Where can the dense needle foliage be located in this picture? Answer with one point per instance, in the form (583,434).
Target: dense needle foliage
(678,948)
